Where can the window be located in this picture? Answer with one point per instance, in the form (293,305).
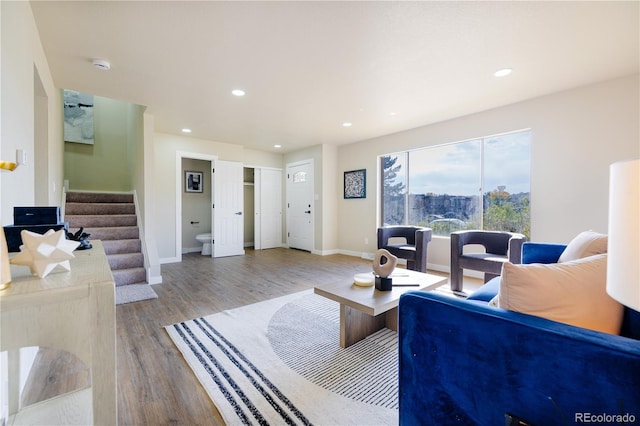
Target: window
(477,184)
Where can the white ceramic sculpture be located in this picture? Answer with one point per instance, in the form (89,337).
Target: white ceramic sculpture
(42,253)
(384,263)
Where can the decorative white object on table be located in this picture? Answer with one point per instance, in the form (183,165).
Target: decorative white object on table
(364,279)
(384,263)
(42,253)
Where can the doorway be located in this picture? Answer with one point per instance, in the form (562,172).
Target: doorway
(196,204)
(180,189)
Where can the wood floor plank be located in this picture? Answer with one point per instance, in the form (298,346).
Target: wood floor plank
(155,384)
(151,369)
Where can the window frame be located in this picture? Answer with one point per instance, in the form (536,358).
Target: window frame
(482,194)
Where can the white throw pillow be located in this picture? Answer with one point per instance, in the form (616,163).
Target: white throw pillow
(573,292)
(584,244)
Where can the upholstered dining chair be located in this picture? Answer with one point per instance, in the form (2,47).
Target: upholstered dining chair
(411,244)
(499,247)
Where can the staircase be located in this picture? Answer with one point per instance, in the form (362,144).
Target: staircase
(111,218)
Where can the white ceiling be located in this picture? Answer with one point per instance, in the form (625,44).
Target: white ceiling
(307,67)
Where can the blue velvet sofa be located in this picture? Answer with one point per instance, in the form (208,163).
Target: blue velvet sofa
(464,362)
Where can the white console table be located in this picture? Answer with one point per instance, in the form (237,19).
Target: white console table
(73,311)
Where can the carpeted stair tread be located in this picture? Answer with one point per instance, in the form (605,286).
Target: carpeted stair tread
(125,261)
(134,292)
(129,276)
(111,218)
(115,233)
(96,221)
(98,197)
(99,208)
(112,247)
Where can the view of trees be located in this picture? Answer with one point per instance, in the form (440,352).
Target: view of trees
(393,192)
(445,213)
(507,212)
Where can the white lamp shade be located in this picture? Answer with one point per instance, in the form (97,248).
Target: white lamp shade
(623,266)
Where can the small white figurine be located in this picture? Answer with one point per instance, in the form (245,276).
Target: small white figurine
(42,253)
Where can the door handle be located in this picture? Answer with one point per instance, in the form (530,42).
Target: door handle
(308,211)
(239,213)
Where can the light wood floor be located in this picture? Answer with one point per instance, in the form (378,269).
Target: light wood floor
(155,385)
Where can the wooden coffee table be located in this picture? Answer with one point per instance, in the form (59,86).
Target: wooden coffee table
(365,310)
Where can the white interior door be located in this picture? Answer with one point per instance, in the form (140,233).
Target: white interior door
(228,209)
(300,212)
(270,213)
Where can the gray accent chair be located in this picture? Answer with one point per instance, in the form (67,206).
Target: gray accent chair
(500,247)
(414,247)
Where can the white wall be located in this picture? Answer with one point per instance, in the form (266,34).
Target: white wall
(22,62)
(331,185)
(27,91)
(165,147)
(576,135)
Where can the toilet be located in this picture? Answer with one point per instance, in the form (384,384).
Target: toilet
(205,239)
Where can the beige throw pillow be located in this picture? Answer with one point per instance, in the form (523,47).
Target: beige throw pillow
(573,292)
(584,244)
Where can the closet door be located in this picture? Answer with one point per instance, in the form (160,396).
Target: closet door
(269,214)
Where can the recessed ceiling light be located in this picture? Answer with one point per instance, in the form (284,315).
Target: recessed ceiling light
(347,124)
(101,64)
(185,130)
(277,146)
(238,92)
(393,113)
(503,72)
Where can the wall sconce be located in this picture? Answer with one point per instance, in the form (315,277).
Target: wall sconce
(21,158)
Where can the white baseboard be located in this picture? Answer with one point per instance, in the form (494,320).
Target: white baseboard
(155,280)
(325,252)
(174,259)
(191,249)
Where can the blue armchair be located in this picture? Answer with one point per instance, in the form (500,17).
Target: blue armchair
(465,362)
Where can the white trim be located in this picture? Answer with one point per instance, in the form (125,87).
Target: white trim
(170,260)
(249,166)
(152,270)
(191,250)
(325,252)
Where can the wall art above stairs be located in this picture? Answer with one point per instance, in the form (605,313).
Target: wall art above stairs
(111,218)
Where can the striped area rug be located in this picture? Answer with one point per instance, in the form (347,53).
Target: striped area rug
(280,362)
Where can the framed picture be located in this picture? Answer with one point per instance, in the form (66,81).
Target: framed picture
(193,182)
(355,184)
(78,117)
